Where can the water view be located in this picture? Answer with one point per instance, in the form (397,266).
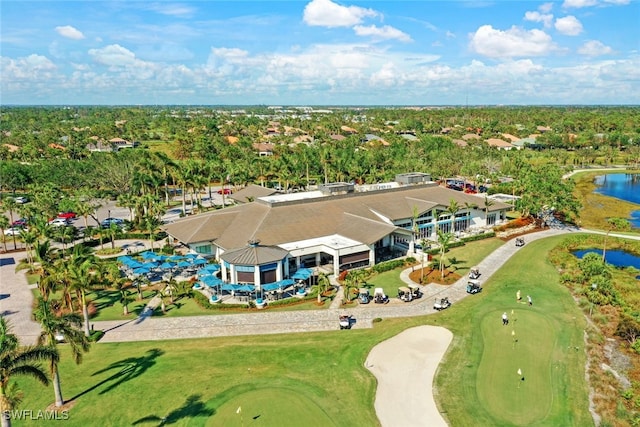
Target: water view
(616,258)
(624,186)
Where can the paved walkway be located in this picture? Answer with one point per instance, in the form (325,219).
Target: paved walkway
(17,308)
(16,299)
(157,328)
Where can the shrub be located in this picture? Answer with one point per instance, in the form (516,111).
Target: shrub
(203,302)
(377,320)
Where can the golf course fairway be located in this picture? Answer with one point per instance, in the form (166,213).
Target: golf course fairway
(514,376)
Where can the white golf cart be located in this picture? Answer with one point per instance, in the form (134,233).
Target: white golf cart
(405,294)
(442,304)
(379,296)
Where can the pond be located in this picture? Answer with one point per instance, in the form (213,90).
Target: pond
(616,258)
(624,186)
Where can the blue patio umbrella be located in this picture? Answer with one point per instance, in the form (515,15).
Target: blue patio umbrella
(211,281)
(133,264)
(167,265)
(191,256)
(124,259)
(141,270)
(175,258)
(211,268)
(150,265)
(200,261)
(148,255)
(183,264)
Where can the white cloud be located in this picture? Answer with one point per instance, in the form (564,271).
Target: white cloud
(568,25)
(325,13)
(171,9)
(114,56)
(594,48)
(546,7)
(26,69)
(69,32)
(545,18)
(512,43)
(578,4)
(385,32)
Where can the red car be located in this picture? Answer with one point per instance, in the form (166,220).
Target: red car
(68,215)
(22,222)
(224,190)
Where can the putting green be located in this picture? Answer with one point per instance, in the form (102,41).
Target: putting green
(270,407)
(525,344)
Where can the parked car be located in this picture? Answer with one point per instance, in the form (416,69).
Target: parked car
(21,200)
(225,191)
(57,222)
(68,215)
(22,222)
(106,223)
(13,231)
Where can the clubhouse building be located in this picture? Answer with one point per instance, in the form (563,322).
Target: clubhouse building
(338,227)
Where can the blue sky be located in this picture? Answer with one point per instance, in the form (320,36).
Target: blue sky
(320,52)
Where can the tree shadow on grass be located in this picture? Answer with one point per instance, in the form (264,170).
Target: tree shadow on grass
(191,408)
(125,370)
(105,299)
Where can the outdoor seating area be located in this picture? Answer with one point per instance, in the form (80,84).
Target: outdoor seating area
(156,267)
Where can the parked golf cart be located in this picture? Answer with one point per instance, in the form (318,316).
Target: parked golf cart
(345,321)
(415,291)
(473,287)
(405,294)
(379,296)
(442,304)
(363,296)
(519,241)
(474,273)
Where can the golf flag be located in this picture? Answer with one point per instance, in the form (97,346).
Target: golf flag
(239,409)
(519,373)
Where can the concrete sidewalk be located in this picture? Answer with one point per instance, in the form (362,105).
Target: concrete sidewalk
(16,299)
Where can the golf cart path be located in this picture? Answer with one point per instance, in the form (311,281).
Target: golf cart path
(267,322)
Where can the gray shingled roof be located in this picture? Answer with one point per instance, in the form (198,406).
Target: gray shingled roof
(356,216)
(254,255)
(252,191)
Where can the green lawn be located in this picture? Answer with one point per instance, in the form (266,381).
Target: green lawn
(480,369)
(319,378)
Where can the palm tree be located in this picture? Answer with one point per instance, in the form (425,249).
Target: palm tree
(83,278)
(444,239)
(125,296)
(452,210)
(11,205)
(54,327)
(4,224)
(19,361)
(323,285)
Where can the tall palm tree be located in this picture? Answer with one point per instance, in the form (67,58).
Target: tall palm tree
(84,278)
(323,285)
(56,326)
(4,224)
(444,240)
(11,205)
(19,361)
(452,210)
